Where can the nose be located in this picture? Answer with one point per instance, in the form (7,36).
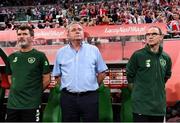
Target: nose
(151,36)
(20,37)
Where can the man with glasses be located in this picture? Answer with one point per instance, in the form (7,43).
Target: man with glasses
(147,72)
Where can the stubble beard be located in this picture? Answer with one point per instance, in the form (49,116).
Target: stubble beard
(23,44)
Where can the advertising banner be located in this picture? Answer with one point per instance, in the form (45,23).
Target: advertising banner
(93,31)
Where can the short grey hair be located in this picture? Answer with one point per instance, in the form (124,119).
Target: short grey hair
(159,29)
(72,23)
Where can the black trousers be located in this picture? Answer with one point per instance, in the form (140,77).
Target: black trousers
(147,118)
(23,115)
(79,107)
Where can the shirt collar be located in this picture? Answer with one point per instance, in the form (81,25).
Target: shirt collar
(70,44)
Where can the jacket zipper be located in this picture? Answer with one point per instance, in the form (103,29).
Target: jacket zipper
(157,68)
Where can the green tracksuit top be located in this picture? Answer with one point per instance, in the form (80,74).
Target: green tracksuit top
(149,72)
(27,69)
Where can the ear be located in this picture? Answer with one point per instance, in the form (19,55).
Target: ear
(68,35)
(32,37)
(161,38)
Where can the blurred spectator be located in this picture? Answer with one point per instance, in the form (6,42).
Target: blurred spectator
(92,12)
(174,25)
(47,24)
(61,21)
(106,20)
(148,17)
(103,11)
(70,14)
(30,24)
(84,21)
(92,22)
(28,14)
(160,18)
(138,19)
(83,12)
(40,25)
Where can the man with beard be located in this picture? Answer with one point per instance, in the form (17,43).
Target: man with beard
(147,72)
(29,75)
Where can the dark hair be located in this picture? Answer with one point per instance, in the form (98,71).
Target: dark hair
(160,31)
(24,27)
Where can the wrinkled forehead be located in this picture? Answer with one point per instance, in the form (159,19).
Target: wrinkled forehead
(153,30)
(75,26)
(19,31)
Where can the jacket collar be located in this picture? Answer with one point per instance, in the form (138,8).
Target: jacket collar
(147,48)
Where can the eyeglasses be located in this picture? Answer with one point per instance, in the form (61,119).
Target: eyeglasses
(153,34)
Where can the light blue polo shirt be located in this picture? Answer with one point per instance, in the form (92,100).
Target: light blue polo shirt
(78,69)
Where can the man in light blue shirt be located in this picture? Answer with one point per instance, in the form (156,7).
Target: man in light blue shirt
(80,69)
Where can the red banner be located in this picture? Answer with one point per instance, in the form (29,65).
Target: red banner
(122,30)
(54,33)
(94,31)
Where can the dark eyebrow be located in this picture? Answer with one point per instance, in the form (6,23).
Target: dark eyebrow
(73,29)
(22,33)
(153,33)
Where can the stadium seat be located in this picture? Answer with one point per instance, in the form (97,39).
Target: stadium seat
(52,111)
(126,107)
(105,104)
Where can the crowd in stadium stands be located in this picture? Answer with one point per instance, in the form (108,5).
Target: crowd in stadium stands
(6,3)
(62,12)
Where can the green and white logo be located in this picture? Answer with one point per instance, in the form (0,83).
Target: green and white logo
(31,60)
(46,63)
(162,62)
(15,59)
(148,63)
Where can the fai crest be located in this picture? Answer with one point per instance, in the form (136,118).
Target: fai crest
(162,62)
(31,60)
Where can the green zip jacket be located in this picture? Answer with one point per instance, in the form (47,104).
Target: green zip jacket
(149,72)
